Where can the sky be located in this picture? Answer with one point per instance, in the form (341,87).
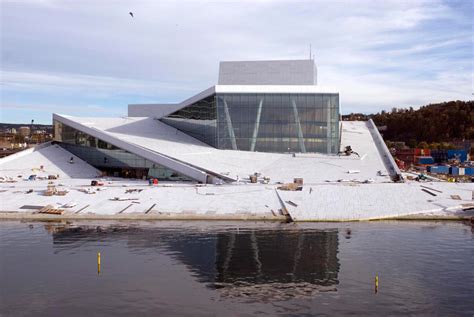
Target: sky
(91,58)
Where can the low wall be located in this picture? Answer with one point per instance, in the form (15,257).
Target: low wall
(387,158)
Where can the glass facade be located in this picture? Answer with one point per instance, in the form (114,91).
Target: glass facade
(199,120)
(263,122)
(109,158)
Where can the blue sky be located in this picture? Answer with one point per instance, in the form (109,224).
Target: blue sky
(90,58)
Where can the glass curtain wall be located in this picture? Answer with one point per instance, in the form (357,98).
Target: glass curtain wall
(199,120)
(263,122)
(109,158)
(278,122)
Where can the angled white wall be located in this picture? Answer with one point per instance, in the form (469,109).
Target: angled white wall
(153,156)
(152,110)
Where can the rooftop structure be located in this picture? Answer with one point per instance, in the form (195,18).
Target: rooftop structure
(286,72)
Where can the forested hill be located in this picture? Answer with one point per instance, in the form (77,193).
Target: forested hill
(443,122)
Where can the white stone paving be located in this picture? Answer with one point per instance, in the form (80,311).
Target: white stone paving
(54,159)
(319,200)
(325,202)
(374,201)
(168,198)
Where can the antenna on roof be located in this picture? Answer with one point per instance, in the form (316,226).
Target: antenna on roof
(310,51)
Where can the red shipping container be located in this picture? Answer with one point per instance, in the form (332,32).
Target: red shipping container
(422,152)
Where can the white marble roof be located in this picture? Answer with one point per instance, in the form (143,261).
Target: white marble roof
(160,138)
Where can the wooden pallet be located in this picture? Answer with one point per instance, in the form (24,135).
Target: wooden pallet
(49,209)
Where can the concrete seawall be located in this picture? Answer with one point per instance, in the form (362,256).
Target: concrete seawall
(7,216)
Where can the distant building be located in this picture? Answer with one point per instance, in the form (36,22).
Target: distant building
(24,131)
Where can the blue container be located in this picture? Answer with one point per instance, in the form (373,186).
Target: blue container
(425,160)
(439,156)
(454,170)
(469,171)
(440,169)
(461,154)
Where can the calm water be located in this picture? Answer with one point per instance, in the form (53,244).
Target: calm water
(236,269)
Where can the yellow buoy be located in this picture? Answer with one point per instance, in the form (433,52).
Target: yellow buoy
(98,262)
(376,283)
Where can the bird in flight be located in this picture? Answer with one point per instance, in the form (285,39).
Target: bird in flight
(131,13)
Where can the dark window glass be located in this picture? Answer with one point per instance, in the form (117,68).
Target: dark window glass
(198,120)
(109,158)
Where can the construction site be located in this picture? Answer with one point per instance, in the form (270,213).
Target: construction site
(448,165)
(43,183)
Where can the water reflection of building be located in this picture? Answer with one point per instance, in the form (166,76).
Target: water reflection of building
(258,264)
(276,264)
(280,256)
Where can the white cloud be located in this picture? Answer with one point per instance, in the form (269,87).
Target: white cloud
(49,108)
(380,54)
(76,83)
